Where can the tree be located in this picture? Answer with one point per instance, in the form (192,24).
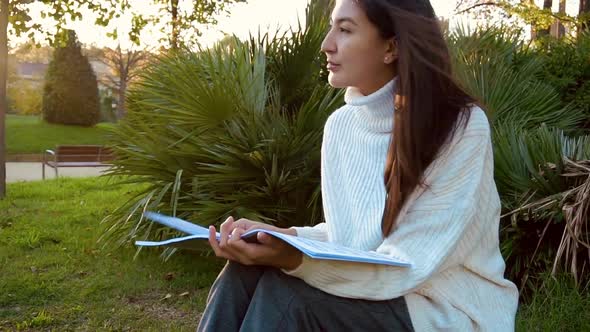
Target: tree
(124,66)
(17,13)
(61,11)
(182,25)
(540,19)
(3,101)
(29,52)
(70,94)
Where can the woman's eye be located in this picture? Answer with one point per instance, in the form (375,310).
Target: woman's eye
(344,30)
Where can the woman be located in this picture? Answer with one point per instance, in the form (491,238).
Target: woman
(407,170)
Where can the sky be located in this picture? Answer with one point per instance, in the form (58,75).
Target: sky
(244,19)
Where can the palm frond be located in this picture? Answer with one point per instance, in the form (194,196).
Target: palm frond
(231,130)
(544,180)
(496,67)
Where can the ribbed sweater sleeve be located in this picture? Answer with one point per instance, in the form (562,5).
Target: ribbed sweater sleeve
(318,232)
(427,232)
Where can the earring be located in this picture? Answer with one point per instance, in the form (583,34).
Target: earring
(387,60)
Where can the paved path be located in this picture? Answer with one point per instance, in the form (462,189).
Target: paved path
(32,172)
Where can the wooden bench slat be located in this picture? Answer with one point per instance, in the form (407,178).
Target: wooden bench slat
(63,158)
(76,164)
(79,156)
(80,146)
(80,151)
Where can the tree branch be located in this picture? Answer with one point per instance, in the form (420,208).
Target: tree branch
(490,3)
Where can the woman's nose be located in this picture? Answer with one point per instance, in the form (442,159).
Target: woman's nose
(328,46)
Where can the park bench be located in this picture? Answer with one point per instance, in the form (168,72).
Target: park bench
(76,156)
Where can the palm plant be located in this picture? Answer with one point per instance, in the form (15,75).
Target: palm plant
(497,67)
(541,173)
(231,130)
(545,180)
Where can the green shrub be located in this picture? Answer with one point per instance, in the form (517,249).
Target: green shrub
(232,130)
(544,179)
(567,68)
(25,97)
(70,94)
(107,112)
(235,141)
(499,68)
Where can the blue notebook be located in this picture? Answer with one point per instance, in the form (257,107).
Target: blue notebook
(314,249)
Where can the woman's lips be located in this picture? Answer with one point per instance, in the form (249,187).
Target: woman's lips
(332,66)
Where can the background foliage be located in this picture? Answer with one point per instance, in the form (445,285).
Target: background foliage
(70,94)
(244,139)
(25,97)
(540,148)
(567,69)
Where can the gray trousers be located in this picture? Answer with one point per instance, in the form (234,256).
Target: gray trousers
(256,298)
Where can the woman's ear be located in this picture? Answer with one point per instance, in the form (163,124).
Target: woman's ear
(390,51)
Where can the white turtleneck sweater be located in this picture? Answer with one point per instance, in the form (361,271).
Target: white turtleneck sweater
(449,231)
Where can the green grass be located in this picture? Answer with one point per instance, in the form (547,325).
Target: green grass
(556,306)
(54,275)
(30,134)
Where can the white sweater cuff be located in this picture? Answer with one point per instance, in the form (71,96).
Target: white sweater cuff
(312,233)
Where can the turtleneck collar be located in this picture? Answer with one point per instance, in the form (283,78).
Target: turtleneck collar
(375,111)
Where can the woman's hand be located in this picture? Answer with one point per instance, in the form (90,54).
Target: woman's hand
(270,251)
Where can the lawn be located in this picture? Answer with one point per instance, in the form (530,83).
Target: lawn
(29,134)
(556,306)
(56,277)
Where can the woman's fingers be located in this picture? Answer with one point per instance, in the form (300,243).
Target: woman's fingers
(231,246)
(229,250)
(235,235)
(245,224)
(213,241)
(264,238)
(224,230)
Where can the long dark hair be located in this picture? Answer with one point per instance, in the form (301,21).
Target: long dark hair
(428,101)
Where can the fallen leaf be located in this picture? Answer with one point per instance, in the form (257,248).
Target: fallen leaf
(166,297)
(184,294)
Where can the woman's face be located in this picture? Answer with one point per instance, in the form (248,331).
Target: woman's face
(357,55)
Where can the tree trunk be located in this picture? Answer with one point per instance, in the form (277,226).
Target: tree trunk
(121,96)
(123,71)
(175,27)
(559,28)
(584,10)
(547,4)
(3,103)
(533,26)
